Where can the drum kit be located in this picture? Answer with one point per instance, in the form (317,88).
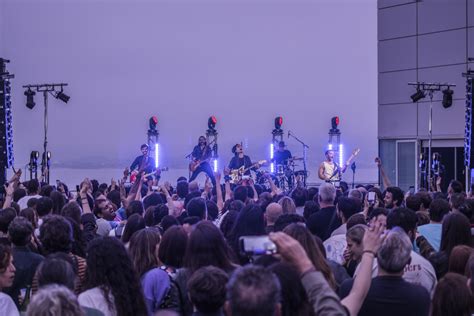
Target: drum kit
(285,176)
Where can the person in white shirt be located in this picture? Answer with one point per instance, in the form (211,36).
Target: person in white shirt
(7,275)
(33,188)
(419,270)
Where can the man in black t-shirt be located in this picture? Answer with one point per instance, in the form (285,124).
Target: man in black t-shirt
(282,155)
(240,159)
(201,155)
(143,163)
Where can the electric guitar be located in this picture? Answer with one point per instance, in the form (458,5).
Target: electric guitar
(134,174)
(193,165)
(338,170)
(236,175)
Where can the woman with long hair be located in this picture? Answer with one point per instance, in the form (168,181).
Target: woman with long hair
(172,249)
(249,222)
(452,296)
(112,283)
(306,239)
(455,230)
(206,247)
(143,251)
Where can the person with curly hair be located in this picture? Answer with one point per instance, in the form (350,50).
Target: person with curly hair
(7,274)
(112,283)
(56,235)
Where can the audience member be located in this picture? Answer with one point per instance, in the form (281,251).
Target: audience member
(112,286)
(389,294)
(24,260)
(207,289)
(7,275)
(325,221)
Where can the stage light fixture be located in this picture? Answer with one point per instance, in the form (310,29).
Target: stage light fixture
(447,98)
(211,122)
(157,153)
(215,165)
(34,155)
(272,155)
(30,100)
(418,95)
(62,96)
(335,122)
(278,122)
(341,155)
(153,122)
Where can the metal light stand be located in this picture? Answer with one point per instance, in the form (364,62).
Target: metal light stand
(152,140)
(277,136)
(211,138)
(305,148)
(46,88)
(336,133)
(431,88)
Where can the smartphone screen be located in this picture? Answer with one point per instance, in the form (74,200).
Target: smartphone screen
(257,245)
(371,197)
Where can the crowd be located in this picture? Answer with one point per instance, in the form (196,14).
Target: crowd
(177,249)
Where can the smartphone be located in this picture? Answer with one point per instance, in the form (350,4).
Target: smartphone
(411,189)
(257,245)
(371,197)
(155,187)
(77,188)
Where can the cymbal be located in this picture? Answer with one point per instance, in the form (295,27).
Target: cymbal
(295,159)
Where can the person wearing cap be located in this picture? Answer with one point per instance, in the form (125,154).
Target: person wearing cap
(329,171)
(240,160)
(281,154)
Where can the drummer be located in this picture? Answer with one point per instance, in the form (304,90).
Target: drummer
(282,155)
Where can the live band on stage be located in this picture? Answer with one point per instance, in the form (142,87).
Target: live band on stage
(285,170)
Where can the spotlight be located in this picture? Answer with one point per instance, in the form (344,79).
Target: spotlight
(34,155)
(153,122)
(211,122)
(278,122)
(447,98)
(62,96)
(418,95)
(334,122)
(30,101)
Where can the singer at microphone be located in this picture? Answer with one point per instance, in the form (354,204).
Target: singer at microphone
(281,154)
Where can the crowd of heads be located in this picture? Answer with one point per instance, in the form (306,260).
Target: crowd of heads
(178,250)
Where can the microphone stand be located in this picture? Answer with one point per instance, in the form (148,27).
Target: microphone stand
(305,148)
(353,167)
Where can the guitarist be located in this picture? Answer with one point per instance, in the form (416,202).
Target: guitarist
(240,159)
(201,155)
(329,170)
(143,163)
